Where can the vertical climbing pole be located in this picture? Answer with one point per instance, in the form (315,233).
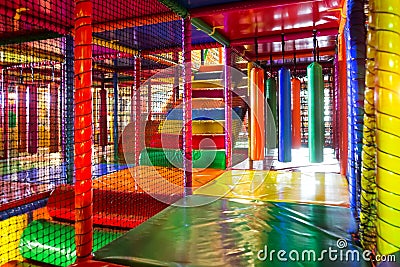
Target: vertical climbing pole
(355,45)
(137,110)
(22,129)
(115,112)
(83,130)
(387,111)
(228,107)
(187,103)
(69,117)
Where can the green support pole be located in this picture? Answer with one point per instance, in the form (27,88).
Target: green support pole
(315,112)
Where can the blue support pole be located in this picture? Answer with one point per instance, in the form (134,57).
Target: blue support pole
(285,116)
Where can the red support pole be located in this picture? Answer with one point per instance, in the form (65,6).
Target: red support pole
(83,130)
(137,111)
(54,130)
(228,107)
(22,123)
(187,104)
(296,115)
(33,120)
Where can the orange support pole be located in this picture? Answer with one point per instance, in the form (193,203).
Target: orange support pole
(296,117)
(83,130)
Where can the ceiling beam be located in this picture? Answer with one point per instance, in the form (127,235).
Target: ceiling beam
(304,33)
(304,53)
(240,6)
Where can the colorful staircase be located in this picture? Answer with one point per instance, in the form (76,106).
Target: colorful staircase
(164,148)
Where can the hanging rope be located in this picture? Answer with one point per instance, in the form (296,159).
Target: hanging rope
(315,45)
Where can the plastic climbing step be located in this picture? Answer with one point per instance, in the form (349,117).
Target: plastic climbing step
(204,114)
(214,159)
(173,141)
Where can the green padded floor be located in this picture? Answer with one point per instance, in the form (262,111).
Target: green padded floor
(231,232)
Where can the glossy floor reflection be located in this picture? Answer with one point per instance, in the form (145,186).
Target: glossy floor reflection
(232,232)
(285,186)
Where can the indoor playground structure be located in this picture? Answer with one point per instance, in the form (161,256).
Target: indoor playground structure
(200,133)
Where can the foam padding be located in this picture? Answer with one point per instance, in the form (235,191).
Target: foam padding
(174,141)
(214,159)
(315,188)
(231,232)
(130,180)
(10,232)
(54,243)
(110,208)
